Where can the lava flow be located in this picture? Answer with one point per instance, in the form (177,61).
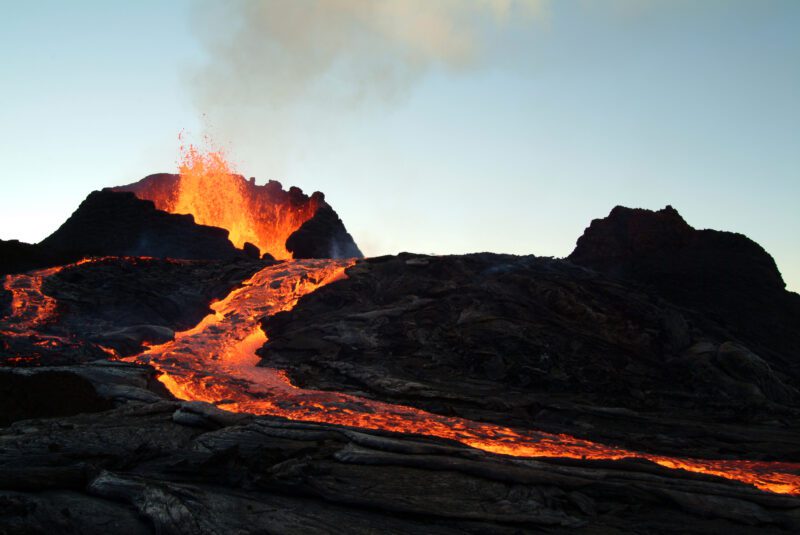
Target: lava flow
(33,314)
(32,309)
(216,362)
(210,190)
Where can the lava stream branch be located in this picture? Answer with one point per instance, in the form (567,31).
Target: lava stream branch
(32,310)
(216,362)
(30,306)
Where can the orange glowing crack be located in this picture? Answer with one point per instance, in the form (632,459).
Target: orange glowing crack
(216,362)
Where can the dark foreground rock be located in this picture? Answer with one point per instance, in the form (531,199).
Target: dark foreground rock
(56,391)
(160,466)
(726,279)
(17,257)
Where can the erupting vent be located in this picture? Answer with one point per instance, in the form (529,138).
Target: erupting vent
(208,188)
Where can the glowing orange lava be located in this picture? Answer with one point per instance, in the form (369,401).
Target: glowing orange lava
(215,362)
(210,190)
(30,307)
(32,310)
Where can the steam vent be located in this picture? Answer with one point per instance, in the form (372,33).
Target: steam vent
(186,355)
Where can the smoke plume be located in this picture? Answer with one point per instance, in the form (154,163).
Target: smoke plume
(270,54)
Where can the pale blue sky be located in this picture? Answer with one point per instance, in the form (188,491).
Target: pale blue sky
(558,118)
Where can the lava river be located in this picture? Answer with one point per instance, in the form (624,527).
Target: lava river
(216,362)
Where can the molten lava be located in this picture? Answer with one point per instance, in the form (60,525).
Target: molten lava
(31,311)
(33,314)
(30,306)
(209,189)
(216,362)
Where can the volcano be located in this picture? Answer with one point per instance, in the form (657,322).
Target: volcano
(283,224)
(196,353)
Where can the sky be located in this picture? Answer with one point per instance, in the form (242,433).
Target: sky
(437,126)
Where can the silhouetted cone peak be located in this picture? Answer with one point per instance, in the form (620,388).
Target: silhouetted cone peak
(726,277)
(652,246)
(118,223)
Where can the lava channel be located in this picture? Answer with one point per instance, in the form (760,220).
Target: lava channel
(32,311)
(216,362)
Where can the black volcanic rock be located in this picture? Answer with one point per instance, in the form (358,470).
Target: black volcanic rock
(189,468)
(26,395)
(109,223)
(120,224)
(726,277)
(16,257)
(538,342)
(535,343)
(323,236)
(156,186)
(661,248)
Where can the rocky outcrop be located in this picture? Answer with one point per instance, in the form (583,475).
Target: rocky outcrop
(728,279)
(45,394)
(660,248)
(323,236)
(161,186)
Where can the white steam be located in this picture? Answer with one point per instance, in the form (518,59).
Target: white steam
(271,54)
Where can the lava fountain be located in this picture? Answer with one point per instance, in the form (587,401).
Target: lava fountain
(208,188)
